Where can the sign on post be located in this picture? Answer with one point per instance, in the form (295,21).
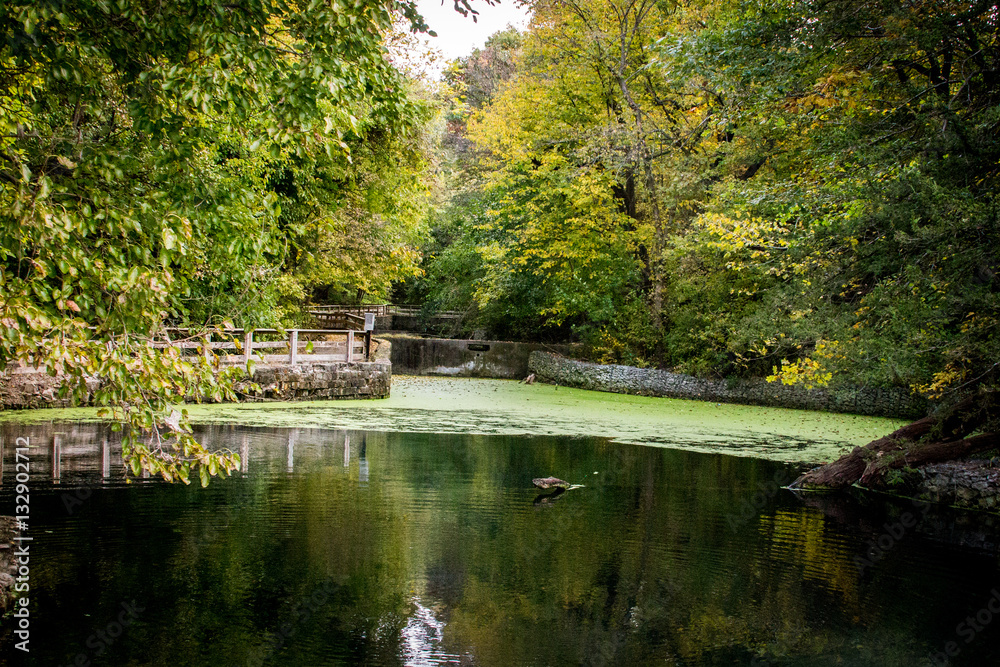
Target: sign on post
(369,321)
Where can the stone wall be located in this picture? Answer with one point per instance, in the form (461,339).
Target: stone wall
(319,381)
(973,484)
(305,381)
(464,358)
(25,389)
(881,402)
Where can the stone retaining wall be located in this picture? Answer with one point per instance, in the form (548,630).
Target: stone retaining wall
(277,382)
(973,484)
(26,389)
(881,402)
(320,381)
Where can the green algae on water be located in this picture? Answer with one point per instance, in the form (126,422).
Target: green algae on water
(507,407)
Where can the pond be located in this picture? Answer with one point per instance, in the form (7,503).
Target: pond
(342,545)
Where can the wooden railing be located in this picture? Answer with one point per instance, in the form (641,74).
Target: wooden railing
(338,320)
(378,310)
(292,346)
(385,309)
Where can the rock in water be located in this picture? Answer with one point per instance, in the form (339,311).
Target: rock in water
(550,483)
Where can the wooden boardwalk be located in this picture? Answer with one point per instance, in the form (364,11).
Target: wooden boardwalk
(271,346)
(384,310)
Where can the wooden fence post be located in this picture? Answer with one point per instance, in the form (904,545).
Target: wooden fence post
(247,347)
(350,346)
(293,344)
(105,459)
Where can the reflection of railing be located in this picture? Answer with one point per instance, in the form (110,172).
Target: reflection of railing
(381,310)
(89,455)
(292,346)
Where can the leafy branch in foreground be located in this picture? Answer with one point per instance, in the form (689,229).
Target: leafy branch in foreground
(137,380)
(145,153)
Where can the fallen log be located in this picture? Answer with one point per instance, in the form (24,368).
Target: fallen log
(849,468)
(903,447)
(938,452)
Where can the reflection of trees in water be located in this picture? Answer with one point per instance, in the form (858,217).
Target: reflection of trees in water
(436,538)
(645,568)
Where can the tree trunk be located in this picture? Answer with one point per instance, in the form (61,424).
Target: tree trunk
(938,452)
(849,468)
(645,157)
(901,448)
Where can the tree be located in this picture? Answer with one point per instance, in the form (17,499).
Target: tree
(866,239)
(451,263)
(809,188)
(139,143)
(585,94)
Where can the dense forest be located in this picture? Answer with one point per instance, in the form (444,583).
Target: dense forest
(804,190)
(800,190)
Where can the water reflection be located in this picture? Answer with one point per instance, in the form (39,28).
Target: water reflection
(105,458)
(56,458)
(335,546)
(363,464)
(423,638)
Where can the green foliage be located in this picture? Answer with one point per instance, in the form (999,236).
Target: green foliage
(560,226)
(353,221)
(803,191)
(871,226)
(159,161)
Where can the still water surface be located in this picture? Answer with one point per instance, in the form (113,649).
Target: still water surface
(352,547)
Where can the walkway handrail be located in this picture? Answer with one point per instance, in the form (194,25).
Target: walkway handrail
(381,310)
(341,345)
(339,319)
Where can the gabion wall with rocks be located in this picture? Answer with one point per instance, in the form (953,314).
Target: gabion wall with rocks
(880,402)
